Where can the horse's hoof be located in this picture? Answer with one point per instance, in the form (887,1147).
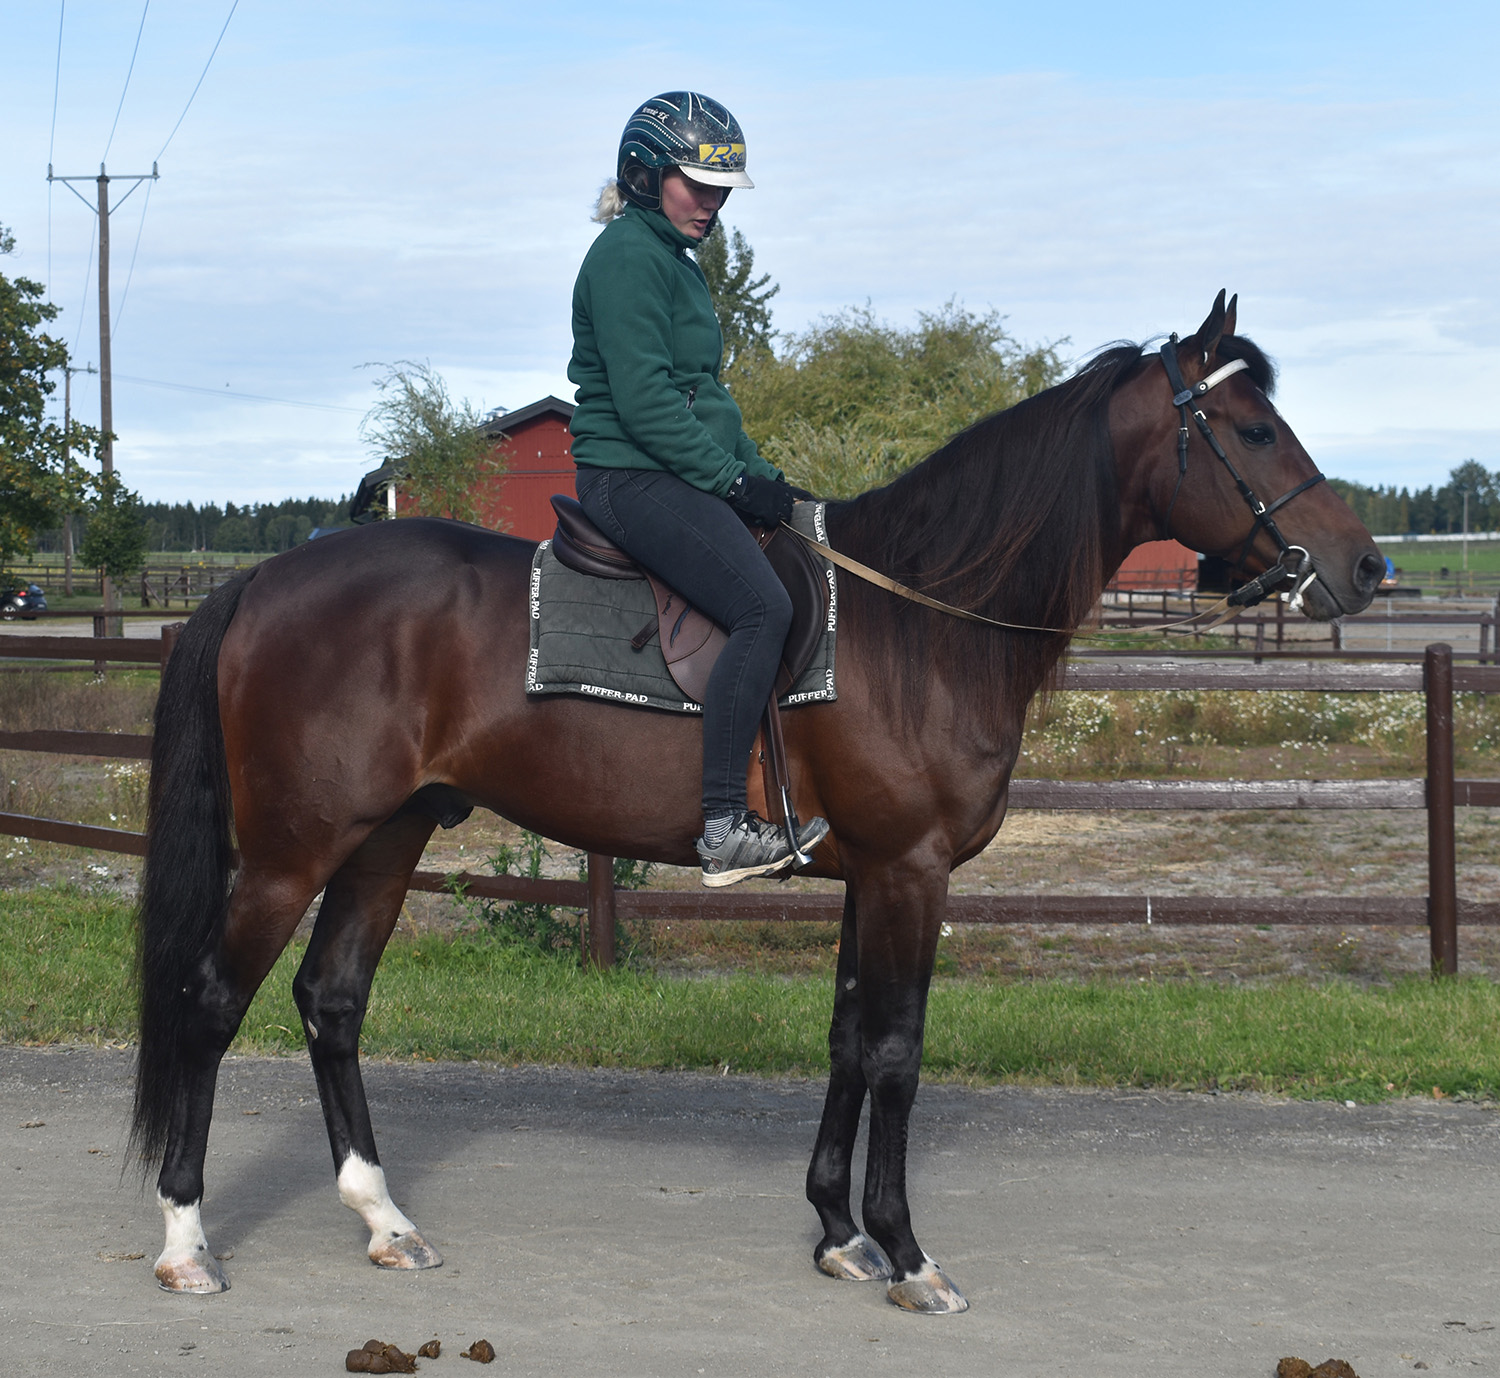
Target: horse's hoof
(407,1250)
(860,1260)
(199,1272)
(929,1292)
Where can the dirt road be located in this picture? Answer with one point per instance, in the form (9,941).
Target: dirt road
(637,1224)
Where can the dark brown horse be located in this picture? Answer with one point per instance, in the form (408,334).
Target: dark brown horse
(324,711)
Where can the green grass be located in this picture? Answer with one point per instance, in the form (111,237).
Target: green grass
(65,955)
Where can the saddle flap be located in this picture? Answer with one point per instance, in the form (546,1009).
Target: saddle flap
(690,640)
(580,545)
(805,583)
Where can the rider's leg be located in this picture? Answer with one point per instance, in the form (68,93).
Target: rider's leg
(696,543)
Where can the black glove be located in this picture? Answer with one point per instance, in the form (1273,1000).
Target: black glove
(761,501)
(801,494)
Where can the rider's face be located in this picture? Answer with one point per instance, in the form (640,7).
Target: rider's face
(689,205)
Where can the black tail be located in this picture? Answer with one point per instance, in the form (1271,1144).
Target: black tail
(185,883)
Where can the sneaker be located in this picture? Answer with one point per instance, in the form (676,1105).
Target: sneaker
(755,847)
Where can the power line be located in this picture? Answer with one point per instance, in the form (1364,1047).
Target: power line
(237,396)
(88,272)
(130,273)
(62,9)
(203,74)
(128,72)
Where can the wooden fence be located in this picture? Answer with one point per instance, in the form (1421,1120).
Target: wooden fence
(1438,793)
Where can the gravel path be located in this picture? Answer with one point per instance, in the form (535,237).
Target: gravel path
(625,1224)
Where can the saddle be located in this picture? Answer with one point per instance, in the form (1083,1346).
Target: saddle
(690,639)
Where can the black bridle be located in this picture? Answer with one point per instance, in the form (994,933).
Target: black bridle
(1299,569)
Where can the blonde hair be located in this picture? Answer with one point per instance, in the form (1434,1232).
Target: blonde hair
(610,205)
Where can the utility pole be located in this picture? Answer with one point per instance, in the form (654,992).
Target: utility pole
(106,392)
(68,372)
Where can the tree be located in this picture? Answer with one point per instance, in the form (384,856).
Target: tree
(114,539)
(739,300)
(853,401)
(34,490)
(437,445)
(233,534)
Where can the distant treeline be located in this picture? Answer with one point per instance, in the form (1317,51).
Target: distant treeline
(1427,511)
(268,527)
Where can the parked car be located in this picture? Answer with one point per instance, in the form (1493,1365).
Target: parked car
(23,601)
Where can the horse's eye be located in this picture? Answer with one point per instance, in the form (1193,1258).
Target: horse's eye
(1258,435)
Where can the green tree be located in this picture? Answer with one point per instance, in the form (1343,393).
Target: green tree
(34,490)
(114,539)
(437,445)
(853,401)
(740,299)
(232,534)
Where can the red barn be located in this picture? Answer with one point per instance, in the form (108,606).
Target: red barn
(1158,565)
(537,451)
(534,450)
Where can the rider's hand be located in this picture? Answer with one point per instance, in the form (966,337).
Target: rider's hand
(801,494)
(761,501)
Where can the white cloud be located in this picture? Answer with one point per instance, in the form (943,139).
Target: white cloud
(348,190)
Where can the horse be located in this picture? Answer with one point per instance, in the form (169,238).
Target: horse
(323,712)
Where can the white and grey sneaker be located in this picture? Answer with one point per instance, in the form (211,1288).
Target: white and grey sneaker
(755,847)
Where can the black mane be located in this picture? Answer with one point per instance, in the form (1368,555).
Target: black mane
(1016,518)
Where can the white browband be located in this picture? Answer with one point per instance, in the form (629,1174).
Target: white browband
(1218,376)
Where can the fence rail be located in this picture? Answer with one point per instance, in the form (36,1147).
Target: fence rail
(1439,793)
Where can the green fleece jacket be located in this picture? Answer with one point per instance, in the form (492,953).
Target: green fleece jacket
(646,354)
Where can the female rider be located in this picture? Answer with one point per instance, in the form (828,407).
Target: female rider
(665,468)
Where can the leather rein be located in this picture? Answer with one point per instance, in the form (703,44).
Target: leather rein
(1185,398)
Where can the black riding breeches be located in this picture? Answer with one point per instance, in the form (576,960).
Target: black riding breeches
(696,543)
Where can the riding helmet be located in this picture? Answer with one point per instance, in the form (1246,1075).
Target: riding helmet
(680,129)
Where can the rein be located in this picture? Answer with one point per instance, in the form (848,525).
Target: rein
(1300,570)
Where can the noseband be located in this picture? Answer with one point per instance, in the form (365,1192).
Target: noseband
(1293,561)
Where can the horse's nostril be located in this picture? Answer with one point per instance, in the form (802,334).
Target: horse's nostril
(1368,572)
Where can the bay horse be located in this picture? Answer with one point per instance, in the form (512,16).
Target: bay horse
(322,712)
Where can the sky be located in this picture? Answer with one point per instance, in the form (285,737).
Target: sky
(356,184)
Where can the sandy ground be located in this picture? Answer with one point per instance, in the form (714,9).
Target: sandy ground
(653,1224)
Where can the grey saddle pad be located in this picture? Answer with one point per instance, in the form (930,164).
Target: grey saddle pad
(581,629)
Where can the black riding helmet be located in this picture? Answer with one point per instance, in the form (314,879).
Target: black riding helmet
(680,129)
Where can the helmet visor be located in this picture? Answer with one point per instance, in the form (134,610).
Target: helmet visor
(715,176)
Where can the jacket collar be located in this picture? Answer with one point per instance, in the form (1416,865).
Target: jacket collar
(662,228)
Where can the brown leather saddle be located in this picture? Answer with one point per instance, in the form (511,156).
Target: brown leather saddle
(690,640)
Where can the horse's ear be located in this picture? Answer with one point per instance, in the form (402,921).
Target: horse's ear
(1206,338)
(1231,314)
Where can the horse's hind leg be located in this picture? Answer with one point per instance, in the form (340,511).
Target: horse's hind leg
(359,910)
(845,1251)
(262,916)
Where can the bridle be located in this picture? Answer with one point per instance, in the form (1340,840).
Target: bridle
(1300,569)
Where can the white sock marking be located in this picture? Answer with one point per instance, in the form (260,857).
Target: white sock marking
(362,1188)
(184,1228)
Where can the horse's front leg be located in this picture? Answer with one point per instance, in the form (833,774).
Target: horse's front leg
(845,1251)
(359,911)
(900,912)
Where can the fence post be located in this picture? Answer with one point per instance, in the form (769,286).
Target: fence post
(1280,622)
(601,910)
(1442,879)
(169,634)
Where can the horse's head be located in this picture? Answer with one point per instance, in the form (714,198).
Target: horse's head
(1207,459)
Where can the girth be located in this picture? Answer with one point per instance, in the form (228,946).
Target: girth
(690,640)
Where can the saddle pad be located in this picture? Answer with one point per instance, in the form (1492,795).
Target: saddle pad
(581,629)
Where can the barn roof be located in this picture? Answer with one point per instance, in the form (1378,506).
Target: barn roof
(504,425)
